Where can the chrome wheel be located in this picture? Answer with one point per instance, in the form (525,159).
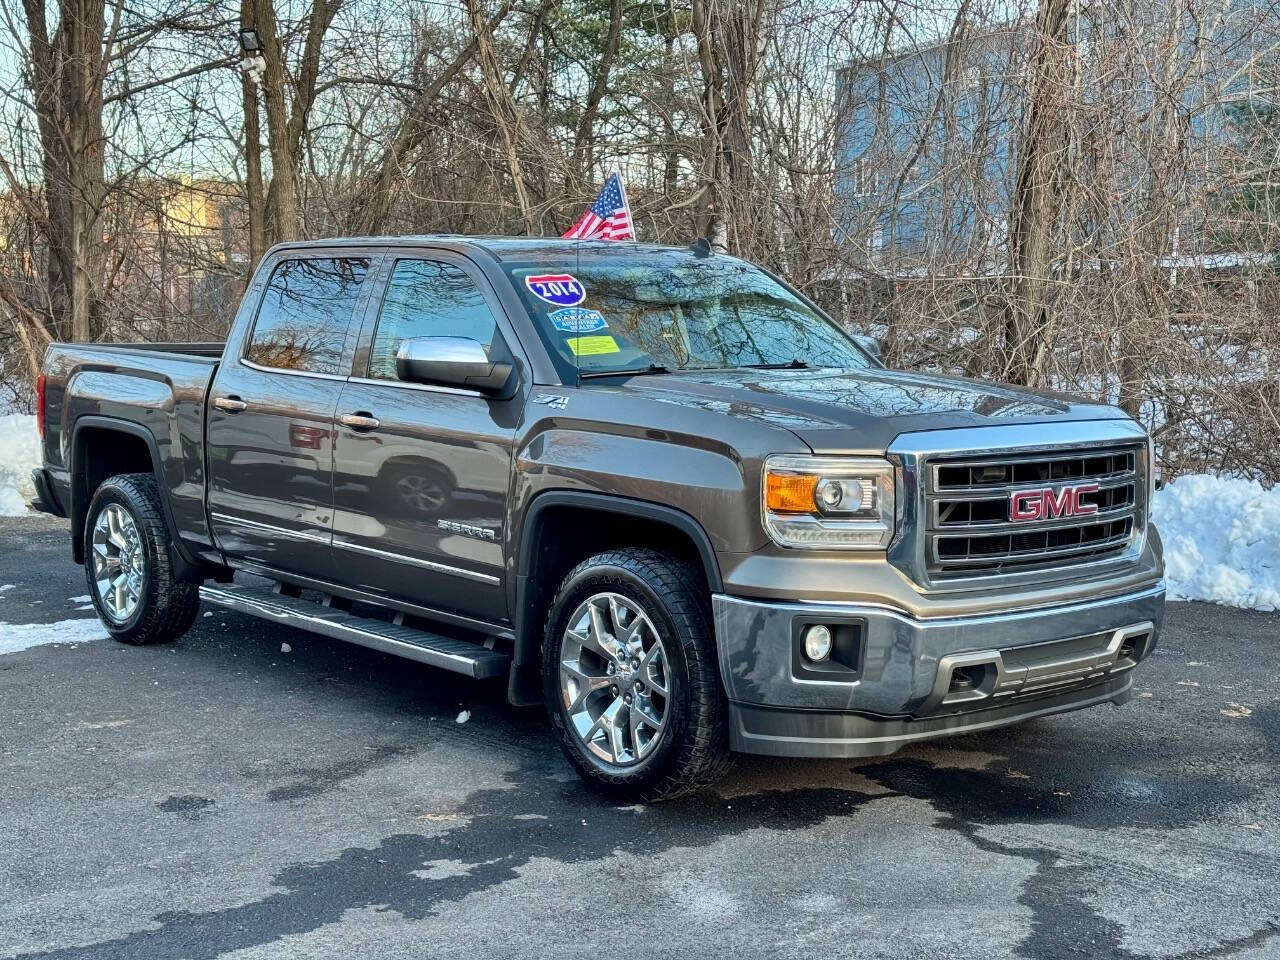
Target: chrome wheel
(614,681)
(118,562)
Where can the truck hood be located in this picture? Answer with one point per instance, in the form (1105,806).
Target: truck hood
(862,411)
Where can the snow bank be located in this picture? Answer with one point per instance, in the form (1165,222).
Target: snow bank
(19,455)
(1221,540)
(24,636)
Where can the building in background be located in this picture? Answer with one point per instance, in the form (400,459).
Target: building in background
(1174,115)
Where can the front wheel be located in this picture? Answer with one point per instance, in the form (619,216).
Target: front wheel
(127,562)
(631,679)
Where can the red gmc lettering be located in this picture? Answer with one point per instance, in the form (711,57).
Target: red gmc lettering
(1048,503)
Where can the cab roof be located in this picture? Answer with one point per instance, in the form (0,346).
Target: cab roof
(501,248)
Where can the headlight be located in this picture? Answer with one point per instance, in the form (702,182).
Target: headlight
(828,503)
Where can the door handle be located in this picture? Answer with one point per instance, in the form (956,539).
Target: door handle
(360,421)
(229,404)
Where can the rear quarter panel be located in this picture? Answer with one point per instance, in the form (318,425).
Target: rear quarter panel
(164,393)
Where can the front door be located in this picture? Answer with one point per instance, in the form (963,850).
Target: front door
(270,421)
(422,473)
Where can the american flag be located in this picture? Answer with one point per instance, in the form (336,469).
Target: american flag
(609,218)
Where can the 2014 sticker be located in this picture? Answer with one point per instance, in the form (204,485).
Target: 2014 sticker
(577,320)
(562,289)
(593,346)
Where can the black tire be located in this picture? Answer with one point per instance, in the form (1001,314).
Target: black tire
(692,751)
(166,606)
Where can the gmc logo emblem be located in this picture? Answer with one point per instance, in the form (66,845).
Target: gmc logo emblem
(1047,502)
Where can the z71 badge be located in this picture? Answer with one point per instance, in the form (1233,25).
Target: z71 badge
(562,289)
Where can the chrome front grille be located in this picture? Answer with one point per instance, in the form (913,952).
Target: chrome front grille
(970,530)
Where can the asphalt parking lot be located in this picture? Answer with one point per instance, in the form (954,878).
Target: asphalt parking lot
(222,798)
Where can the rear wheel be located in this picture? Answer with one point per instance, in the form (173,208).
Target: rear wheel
(127,562)
(630,676)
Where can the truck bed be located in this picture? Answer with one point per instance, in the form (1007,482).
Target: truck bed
(153,391)
(194,348)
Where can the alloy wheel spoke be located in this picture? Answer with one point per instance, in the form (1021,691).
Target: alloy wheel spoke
(585,682)
(653,668)
(599,632)
(587,640)
(636,722)
(608,724)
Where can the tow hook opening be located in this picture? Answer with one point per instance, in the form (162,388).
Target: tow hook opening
(1132,646)
(971,681)
(968,678)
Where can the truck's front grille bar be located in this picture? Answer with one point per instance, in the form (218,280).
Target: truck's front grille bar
(1086,507)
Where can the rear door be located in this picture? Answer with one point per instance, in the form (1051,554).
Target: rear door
(271,415)
(420,490)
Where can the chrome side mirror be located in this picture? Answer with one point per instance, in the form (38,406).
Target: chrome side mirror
(871,345)
(453,362)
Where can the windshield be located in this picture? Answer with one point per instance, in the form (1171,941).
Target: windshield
(633,311)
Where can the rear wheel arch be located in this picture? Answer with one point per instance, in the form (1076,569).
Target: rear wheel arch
(103,447)
(560,529)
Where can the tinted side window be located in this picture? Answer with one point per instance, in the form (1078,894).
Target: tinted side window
(427,298)
(305,313)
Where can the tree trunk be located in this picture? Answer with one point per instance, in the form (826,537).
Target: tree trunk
(410,135)
(502,108)
(67,78)
(252,156)
(282,198)
(1037,198)
(728,55)
(584,140)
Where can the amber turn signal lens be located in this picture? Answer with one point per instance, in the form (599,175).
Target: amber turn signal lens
(790,493)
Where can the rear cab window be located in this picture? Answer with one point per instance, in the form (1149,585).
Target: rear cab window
(621,309)
(306,313)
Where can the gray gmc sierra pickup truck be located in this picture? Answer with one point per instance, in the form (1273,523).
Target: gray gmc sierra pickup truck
(656,489)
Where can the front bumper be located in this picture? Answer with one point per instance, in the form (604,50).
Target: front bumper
(903,679)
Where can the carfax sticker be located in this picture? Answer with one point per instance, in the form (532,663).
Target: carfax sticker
(593,346)
(577,320)
(562,289)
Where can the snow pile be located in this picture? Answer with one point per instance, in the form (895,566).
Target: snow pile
(24,636)
(19,455)
(1221,540)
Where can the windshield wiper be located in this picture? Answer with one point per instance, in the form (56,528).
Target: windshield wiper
(788,365)
(651,370)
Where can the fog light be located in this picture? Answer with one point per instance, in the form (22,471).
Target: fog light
(817,642)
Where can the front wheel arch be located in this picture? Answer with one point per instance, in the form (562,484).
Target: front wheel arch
(560,528)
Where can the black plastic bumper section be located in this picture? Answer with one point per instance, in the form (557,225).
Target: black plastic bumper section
(45,501)
(809,733)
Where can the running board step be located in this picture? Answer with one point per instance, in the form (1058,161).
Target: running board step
(425,647)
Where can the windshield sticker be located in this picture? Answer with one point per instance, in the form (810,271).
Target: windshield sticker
(562,289)
(593,346)
(577,320)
